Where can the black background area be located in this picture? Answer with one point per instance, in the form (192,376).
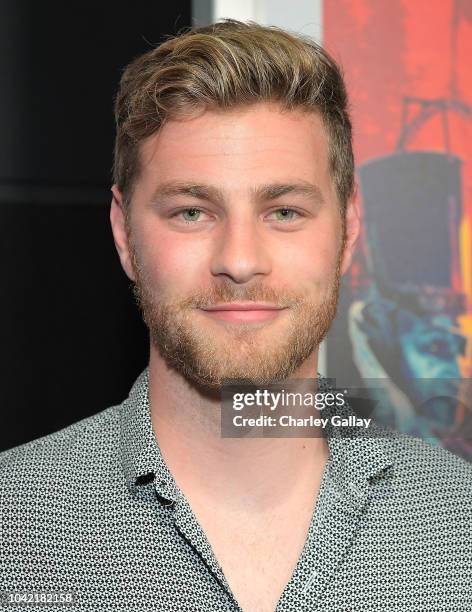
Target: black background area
(71,337)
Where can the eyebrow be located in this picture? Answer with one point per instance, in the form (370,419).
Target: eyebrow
(211,193)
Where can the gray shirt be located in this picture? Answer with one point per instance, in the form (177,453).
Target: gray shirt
(93,513)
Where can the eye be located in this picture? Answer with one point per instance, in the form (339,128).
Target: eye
(188,215)
(286,214)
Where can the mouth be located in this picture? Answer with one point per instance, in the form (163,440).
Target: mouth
(243,312)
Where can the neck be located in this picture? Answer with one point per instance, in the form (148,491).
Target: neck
(246,473)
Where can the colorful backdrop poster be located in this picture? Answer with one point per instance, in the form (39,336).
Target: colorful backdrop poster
(404,321)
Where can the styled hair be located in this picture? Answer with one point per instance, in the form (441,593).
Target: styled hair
(226,65)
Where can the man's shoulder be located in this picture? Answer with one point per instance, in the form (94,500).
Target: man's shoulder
(427,475)
(65,454)
(422,456)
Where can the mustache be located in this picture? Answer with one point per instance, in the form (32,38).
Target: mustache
(227,292)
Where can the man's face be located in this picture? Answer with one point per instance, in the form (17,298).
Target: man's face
(235,210)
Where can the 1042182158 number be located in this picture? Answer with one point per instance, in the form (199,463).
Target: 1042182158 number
(37,597)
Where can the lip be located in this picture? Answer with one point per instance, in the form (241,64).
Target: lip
(243,312)
(242,306)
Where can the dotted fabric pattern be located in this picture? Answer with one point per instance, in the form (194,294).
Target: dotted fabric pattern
(93,510)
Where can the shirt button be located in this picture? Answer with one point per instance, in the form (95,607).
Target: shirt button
(144,479)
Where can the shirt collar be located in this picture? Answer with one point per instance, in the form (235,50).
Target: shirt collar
(357,456)
(141,456)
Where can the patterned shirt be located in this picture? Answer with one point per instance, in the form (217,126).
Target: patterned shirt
(93,511)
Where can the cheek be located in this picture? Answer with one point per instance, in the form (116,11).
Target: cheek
(310,259)
(170,265)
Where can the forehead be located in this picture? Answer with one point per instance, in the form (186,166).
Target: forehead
(260,141)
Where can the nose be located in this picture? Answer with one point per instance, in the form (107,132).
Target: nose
(240,251)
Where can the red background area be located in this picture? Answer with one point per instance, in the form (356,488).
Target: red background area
(390,49)
(393,48)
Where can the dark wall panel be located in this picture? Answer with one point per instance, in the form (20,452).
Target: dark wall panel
(71,338)
(59,66)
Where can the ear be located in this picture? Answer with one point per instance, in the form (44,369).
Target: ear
(353,226)
(117,220)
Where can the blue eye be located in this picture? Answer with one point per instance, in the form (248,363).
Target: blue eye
(194,214)
(287,214)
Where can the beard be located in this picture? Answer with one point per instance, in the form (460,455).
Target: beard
(254,352)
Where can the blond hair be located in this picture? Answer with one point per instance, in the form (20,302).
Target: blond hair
(226,65)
